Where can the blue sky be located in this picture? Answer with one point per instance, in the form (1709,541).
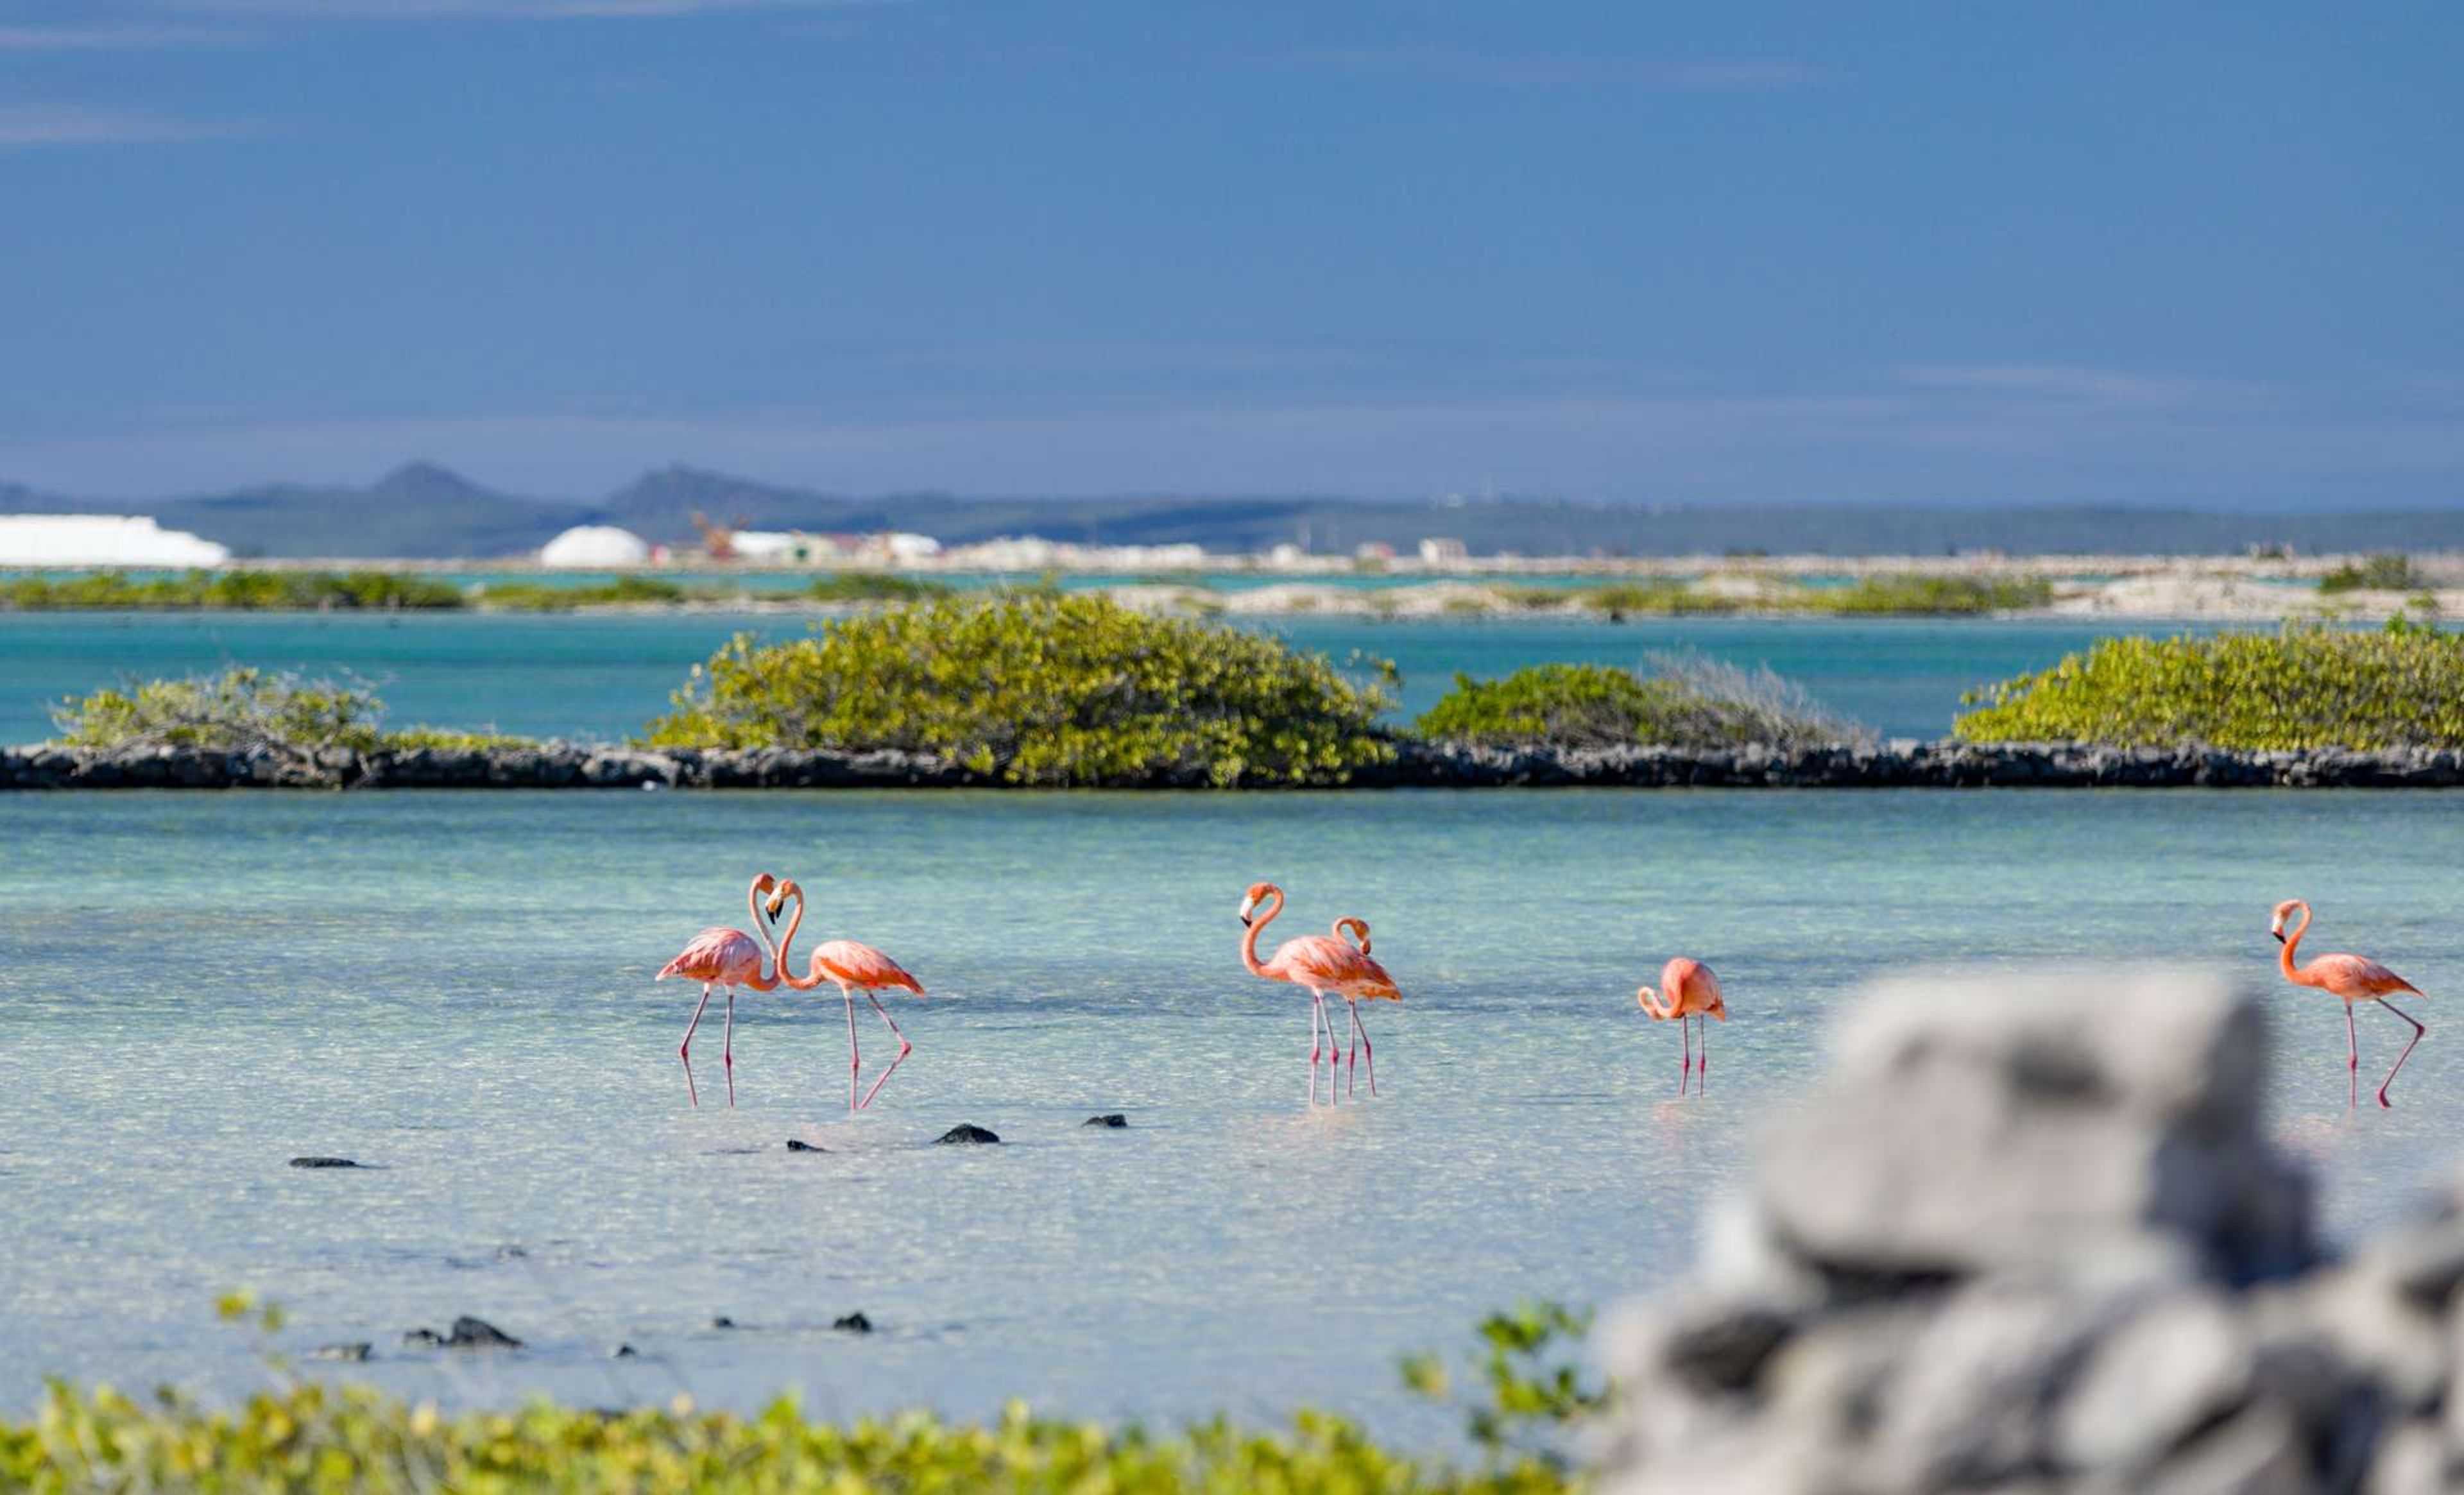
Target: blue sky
(1959,252)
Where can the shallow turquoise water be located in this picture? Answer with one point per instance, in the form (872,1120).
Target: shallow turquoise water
(600,678)
(455,989)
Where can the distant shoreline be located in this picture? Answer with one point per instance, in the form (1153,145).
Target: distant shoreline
(1899,764)
(2223,589)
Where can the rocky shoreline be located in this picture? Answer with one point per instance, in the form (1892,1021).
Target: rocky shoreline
(1418,765)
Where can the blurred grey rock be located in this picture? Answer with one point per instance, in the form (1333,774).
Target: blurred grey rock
(2029,1234)
(2003,1120)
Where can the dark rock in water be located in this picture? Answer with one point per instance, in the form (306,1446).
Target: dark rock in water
(624,1352)
(964,1132)
(356,1350)
(1108,1119)
(722,1322)
(424,1338)
(854,1324)
(794,1145)
(322,1162)
(512,1253)
(477,1334)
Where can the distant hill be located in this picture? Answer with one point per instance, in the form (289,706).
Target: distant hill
(424,511)
(418,510)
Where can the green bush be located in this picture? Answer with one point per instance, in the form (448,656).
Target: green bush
(1655,599)
(1885,595)
(234,590)
(2306,687)
(624,591)
(314,1439)
(247,709)
(1683,702)
(1041,689)
(2377,574)
(871,586)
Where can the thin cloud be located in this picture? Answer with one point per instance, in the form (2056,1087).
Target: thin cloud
(2079,384)
(1556,70)
(110,38)
(492,10)
(37,126)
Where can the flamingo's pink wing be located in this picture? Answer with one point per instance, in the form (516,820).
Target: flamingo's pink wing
(1330,964)
(2359,975)
(859,964)
(716,955)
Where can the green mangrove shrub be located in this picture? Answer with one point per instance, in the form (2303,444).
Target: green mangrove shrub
(1935,595)
(2376,574)
(234,590)
(247,709)
(356,1441)
(2305,687)
(1682,701)
(1042,688)
(622,592)
(873,586)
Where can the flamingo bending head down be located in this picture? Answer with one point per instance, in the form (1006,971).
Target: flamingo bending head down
(1688,992)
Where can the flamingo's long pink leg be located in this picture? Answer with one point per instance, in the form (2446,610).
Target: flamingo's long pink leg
(1368,1050)
(1686,1073)
(1702,1063)
(856,1055)
(727,1048)
(1322,1031)
(2418,1030)
(2352,1062)
(904,1049)
(684,1051)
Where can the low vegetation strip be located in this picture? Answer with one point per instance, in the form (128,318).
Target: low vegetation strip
(389,591)
(379,590)
(1044,689)
(2304,688)
(310,1438)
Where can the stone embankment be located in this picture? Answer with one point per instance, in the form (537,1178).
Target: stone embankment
(2004,1248)
(1896,764)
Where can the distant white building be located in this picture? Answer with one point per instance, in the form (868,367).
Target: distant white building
(100,540)
(1440,551)
(592,547)
(759,546)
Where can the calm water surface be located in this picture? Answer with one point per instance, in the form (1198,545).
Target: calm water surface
(454,989)
(600,678)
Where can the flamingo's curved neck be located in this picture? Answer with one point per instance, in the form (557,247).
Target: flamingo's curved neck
(2292,943)
(1661,1008)
(1259,920)
(777,952)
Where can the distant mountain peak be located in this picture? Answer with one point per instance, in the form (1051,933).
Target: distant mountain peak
(423,479)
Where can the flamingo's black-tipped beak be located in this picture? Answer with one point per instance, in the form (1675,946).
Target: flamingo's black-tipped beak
(1247,921)
(2278,933)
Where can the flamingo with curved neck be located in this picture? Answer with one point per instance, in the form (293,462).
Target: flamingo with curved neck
(2354,979)
(1689,993)
(726,958)
(854,967)
(1318,964)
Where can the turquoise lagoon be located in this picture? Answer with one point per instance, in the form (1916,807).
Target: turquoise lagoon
(454,990)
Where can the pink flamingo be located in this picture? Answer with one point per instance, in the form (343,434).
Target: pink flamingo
(724,957)
(1319,964)
(1687,991)
(2354,979)
(1356,932)
(856,968)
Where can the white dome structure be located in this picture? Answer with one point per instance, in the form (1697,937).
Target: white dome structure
(100,540)
(592,546)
